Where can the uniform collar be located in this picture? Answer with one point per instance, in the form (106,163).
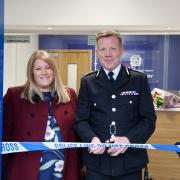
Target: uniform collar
(115,71)
(102,79)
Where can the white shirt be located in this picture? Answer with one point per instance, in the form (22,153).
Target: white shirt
(115,71)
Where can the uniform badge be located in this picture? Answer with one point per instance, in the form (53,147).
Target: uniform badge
(135,60)
(129,93)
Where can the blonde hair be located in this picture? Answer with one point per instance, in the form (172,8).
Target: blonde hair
(109,33)
(30,87)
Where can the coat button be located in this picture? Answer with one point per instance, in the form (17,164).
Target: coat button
(113,96)
(32,115)
(94,104)
(130,102)
(65,112)
(113,109)
(29,133)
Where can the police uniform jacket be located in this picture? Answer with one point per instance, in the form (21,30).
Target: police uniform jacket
(26,122)
(128,102)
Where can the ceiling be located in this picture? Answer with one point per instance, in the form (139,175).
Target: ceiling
(92,29)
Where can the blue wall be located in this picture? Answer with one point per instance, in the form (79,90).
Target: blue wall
(174,62)
(66,42)
(158,55)
(1,65)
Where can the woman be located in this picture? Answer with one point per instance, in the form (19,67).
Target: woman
(41,110)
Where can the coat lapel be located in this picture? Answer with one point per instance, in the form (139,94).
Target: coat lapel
(102,80)
(121,80)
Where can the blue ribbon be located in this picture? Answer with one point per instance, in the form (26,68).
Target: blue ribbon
(14,147)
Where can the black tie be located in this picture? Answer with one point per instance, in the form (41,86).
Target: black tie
(110,74)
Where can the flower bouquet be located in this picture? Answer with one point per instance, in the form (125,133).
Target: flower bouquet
(165,99)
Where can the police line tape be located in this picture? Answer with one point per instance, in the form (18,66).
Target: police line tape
(14,147)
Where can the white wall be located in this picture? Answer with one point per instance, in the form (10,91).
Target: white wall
(92,12)
(16,56)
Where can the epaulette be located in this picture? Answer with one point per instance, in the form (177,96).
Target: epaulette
(93,72)
(140,72)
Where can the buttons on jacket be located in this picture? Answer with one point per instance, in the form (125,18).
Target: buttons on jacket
(65,112)
(113,109)
(113,96)
(32,115)
(29,133)
(115,102)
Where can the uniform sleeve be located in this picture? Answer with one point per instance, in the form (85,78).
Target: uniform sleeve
(147,116)
(83,127)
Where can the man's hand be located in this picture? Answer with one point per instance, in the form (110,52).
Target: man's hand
(96,150)
(115,151)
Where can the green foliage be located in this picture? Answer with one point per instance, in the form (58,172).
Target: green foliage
(159,101)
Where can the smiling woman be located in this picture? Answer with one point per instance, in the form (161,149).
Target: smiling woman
(43,76)
(43,109)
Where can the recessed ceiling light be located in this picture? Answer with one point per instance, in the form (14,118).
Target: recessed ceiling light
(49,28)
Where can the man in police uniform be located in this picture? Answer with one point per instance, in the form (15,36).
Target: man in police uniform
(114,105)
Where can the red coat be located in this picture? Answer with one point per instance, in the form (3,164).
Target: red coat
(24,121)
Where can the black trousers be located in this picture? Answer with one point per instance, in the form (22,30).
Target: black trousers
(92,175)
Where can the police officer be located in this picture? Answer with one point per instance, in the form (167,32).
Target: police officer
(114,105)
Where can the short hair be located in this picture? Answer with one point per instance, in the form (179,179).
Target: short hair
(109,33)
(31,88)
